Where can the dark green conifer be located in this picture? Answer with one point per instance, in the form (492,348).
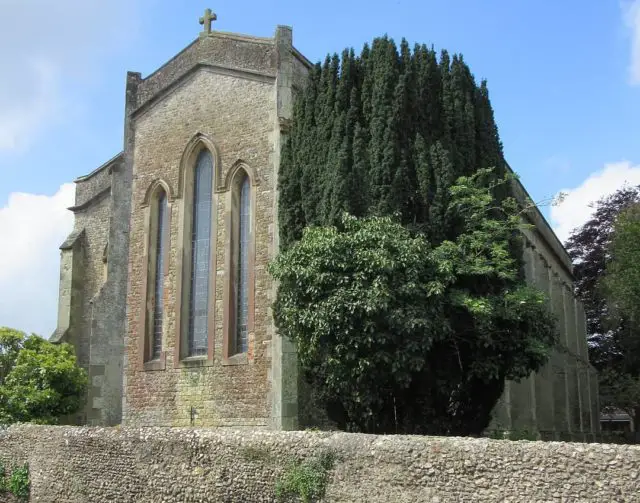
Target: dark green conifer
(386,132)
(305,150)
(390,131)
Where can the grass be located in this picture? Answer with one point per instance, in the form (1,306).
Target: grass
(306,480)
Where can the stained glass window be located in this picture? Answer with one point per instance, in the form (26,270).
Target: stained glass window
(158,290)
(200,255)
(242,261)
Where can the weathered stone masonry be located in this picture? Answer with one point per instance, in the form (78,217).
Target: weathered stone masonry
(93,260)
(78,465)
(233,96)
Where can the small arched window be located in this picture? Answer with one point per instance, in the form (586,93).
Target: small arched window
(201,230)
(160,252)
(105,262)
(240,247)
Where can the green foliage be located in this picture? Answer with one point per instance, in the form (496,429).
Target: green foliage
(306,480)
(19,484)
(588,246)
(620,390)
(620,385)
(3,479)
(409,313)
(399,335)
(10,344)
(606,257)
(622,277)
(386,132)
(42,380)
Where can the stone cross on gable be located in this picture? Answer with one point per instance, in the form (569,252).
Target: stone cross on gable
(206,22)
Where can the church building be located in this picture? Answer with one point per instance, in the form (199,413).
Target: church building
(164,287)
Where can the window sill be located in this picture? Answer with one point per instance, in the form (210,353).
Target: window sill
(239,359)
(153,365)
(195,361)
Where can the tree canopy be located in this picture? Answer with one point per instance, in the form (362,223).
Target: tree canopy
(393,331)
(621,286)
(386,132)
(621,282)
(411,311)
(588,247)
(39,381)
(606,257)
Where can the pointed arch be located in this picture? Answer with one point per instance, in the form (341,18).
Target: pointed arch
(196,144)
(239,288)
(153,187)
(239,166)
(198,181)
(157,237)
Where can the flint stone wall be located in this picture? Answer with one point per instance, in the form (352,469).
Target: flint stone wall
(121,465)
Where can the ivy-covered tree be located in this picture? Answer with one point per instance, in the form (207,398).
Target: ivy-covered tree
(39,381)
(398,334)
(387,133)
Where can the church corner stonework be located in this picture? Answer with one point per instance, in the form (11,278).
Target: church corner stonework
(130,312)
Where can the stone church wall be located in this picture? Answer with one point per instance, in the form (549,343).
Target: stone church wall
(225,51)
(229,106)
(84,257)
(82,465)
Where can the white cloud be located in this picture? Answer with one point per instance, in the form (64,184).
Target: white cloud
(47,47)
(575,210)
(32,228)
(631,13)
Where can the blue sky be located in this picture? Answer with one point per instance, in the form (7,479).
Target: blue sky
(564,80)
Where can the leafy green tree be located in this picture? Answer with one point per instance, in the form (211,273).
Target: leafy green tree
(620,390)
(10,344)
(39,381)
(588,247)
(605,254)
(386,133)
(400,335)
(621,287)
(622,276)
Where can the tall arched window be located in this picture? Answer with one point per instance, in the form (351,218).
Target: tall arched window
(201,224)
(160,251)
(241,234)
